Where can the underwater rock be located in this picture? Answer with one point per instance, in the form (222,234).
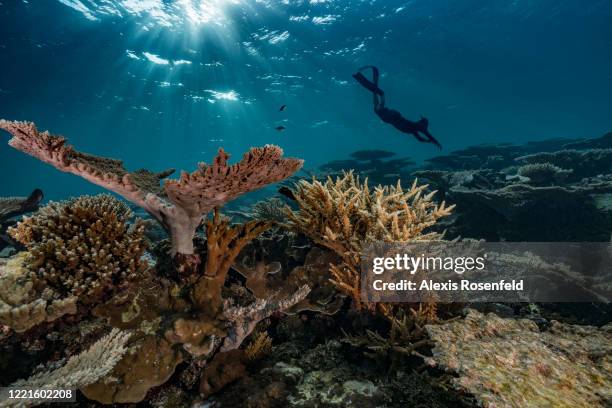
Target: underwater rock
(222,370)
(7,252)
(180,204)
(510,362)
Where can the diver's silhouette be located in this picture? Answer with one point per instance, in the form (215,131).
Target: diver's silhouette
(392,116)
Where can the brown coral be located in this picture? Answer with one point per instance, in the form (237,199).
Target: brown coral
(181,204)
(22,306)
(83,247)
(343,214)
(511,363)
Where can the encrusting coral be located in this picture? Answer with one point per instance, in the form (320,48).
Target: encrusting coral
(180,204)
(512,363)
(22,305)
(83,247)
(343,215)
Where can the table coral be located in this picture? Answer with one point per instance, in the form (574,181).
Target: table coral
(179,314)
(180,204)
(509,362)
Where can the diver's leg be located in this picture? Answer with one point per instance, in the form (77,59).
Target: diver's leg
(432,139)
(420,138)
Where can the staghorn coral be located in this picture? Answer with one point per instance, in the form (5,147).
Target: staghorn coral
(508,362)
(343,214)
(80,370)
(83,247)
(180,204)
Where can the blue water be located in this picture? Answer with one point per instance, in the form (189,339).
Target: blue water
(164,84)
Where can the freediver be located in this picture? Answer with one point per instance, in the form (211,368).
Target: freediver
(392,116)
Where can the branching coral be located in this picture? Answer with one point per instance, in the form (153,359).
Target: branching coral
(83,247)
(180,204)
(80,370)
(343,214)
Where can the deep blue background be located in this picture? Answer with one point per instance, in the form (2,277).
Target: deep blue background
(481,71)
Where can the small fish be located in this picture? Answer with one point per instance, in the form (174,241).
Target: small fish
(280,128)
(282,108)
(286,191)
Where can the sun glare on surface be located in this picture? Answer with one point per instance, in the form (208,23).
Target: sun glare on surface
(205,11)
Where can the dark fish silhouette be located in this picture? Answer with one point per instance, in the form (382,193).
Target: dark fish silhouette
(286,191)
(282,108)
(280,128)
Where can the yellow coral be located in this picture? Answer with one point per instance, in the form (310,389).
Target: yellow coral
(343,214)
(260,346)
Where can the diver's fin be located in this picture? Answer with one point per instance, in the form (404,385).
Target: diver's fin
(366,83)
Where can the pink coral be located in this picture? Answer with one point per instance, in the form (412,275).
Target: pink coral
(179,205)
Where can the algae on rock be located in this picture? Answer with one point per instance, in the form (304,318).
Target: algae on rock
(509,362)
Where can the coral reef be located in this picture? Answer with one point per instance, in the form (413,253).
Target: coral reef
(180,204)
(509,362)
(12,207)
(377,165)
(543,174)
(22,305)
(83,247)
(79,370)
(343,214)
